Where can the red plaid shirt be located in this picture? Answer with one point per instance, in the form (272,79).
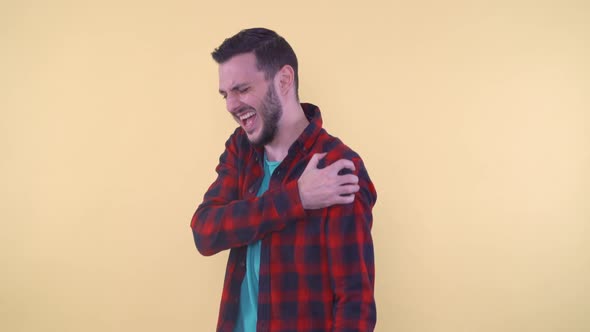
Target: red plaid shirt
(316,266)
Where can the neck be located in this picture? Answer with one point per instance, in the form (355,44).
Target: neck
(290,127)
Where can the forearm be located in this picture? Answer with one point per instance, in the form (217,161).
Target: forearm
(219,224)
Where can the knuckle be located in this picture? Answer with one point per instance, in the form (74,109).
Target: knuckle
(339,164)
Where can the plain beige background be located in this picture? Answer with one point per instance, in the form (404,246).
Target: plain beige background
(473,119)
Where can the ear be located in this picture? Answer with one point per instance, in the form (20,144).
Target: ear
(285,79)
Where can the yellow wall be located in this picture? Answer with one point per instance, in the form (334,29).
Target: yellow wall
(473,120)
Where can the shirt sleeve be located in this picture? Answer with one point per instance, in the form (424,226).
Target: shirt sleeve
(351,258)
(224,220)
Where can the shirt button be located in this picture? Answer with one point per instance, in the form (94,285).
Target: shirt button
(242,264)
(251,190)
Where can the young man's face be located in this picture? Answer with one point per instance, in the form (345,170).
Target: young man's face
(250,98)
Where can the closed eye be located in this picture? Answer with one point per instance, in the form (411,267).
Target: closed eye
(240,88)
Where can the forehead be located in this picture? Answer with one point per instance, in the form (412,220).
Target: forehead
(239,69)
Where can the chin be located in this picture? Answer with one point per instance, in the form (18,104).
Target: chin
(254,138)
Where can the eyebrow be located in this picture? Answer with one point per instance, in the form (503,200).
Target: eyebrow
(235,87)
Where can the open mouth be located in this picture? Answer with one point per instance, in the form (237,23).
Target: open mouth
(247,120)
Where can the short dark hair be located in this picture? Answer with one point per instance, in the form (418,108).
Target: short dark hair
(271,50)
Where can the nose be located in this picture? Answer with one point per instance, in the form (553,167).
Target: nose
(232,103)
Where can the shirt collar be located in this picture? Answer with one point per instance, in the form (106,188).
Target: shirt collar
(309,135)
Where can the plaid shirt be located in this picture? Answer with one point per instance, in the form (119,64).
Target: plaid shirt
(316,266)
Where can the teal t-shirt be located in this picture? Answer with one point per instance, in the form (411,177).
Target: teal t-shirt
(248,311)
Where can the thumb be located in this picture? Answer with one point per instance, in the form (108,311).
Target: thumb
(315,159)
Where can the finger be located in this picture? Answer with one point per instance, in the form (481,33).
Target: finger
(348,179)
(344,199)
(348,189)
(315,159)
(341,164)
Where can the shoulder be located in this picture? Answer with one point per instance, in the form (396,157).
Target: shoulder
(237,139)
(238,143)
(238,150)
(335,148)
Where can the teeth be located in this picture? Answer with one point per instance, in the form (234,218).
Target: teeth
(246,115)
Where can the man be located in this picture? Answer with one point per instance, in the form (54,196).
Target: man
(291,202)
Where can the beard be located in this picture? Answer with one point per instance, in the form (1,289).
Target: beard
(270,112)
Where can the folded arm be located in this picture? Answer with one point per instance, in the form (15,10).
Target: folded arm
(224,221)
